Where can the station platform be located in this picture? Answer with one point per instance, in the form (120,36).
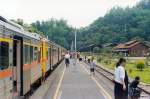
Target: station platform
(73,82)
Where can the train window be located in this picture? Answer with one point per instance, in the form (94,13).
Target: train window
(26,54)
(31,53)
(35,53)
(15,53)
(47,54)
(39,57)
(4,55)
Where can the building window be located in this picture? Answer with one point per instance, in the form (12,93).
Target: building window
(4,55)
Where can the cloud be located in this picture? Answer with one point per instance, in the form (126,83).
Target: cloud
(77,12)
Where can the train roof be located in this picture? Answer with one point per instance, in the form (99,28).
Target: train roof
(19,29)
(3,19)
(11,23)
(15,24)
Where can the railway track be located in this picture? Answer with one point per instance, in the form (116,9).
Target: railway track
(109,75)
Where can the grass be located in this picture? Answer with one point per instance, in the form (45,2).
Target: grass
(144,75)
(130,67)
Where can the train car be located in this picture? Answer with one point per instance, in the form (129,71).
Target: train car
(6,46)
(35,59)
(55,54)
(25,58)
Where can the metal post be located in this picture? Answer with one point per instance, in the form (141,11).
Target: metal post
(75,46)
(75,40)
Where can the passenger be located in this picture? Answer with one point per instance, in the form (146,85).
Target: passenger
(92,67)
(70,55)
(78,55)
(74,59)
(89,60)
(134,91)
(121,80)
(67,57)
(85,58)
(80,59)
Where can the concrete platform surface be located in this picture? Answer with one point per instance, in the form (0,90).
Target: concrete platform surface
(78,84)
(73,82)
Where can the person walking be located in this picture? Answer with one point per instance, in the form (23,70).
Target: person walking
(67,57)
(121,80)
(92,67)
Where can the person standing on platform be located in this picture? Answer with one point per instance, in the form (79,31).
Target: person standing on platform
(121,80)
(67,57)
(92,67)
(78,55)
(85,58)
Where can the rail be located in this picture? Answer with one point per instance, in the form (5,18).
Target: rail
(109,75)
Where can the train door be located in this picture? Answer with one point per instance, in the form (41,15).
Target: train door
(43,58)
(17,66)
(50,56)
(58,54)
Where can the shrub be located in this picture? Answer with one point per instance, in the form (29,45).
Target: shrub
(96,49)
(140,65)
(130,70)
(99,59)
(107,62)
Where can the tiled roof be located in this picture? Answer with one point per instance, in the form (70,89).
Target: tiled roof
(127,45)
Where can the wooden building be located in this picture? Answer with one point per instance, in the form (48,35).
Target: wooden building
(132,49)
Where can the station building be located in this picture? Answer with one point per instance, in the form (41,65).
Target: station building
(132,48)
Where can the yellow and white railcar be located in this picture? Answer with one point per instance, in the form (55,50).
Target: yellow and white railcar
(24,59)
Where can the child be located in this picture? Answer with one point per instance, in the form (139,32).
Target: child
(92,67)
(134,91)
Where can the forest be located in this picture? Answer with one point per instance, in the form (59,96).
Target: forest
(117,26)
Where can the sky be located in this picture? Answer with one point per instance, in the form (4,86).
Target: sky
(78,13)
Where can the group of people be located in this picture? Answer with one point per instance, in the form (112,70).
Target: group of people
(122,89)
(73,55)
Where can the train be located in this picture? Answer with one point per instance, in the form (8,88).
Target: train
(25,59)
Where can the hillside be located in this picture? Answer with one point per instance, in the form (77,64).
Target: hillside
(117,26)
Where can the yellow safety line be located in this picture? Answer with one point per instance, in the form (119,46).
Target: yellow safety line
(105,94)
(59,84)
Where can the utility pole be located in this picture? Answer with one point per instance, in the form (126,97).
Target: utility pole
(72,46)
(75,41)
(75,46)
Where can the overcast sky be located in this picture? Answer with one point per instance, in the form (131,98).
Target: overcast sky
(77,12)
